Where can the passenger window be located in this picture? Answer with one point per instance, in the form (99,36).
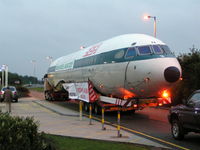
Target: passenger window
(131,52)
(101,58)
(157,49)
(144,50)
(119,54)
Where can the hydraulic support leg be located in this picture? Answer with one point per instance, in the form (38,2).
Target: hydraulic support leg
(102,120)
(118,123)
(90,115)
(80,110)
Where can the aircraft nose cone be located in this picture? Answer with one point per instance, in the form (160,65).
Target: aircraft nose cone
(172,74)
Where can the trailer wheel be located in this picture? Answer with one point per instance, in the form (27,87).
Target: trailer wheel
(66,96)
(132,111)
(86,107)
(97,109)
(46,95)
(63,98)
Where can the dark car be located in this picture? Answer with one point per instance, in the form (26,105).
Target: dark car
(185,118)
(14,92)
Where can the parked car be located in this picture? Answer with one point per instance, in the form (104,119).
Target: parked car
(14,92)
(185,118)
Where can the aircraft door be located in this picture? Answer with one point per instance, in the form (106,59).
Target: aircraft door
(130,68)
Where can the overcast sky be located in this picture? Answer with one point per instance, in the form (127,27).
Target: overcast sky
(34,29)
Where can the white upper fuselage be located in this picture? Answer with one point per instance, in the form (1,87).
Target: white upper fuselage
(118,42)
(131,65)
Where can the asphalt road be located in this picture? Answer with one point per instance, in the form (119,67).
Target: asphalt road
(149,121)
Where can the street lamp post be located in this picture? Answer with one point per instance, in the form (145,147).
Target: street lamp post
(146,17)
(34,67)
(6,78)
(50,59)
(2,77)
(4,69)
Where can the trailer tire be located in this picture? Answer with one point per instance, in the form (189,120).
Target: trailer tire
(86,107)
(132,111)
(97,109)
(48,96)
(64,98)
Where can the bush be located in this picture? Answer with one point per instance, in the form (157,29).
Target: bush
(20,134)
(190,64)
(22,91)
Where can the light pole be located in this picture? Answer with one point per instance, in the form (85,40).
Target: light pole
(2,83)
(34,67)
(147,17)
(6,73)
(50,59)
(4,69)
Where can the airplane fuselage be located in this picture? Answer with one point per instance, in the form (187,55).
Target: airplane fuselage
(127,66)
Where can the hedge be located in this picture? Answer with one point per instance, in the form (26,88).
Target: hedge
(18,133)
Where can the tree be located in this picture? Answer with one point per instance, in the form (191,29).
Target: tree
(190,64)
(15,79)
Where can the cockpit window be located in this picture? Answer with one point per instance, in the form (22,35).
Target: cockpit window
(166,49)
(157,49)
(131,52)
(144,50)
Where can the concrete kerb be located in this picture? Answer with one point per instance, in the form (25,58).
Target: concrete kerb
(55,111)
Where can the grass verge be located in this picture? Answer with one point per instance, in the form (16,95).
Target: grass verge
(38,89)
(70,143)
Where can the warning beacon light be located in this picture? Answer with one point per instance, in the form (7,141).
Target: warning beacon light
(165,94)
(146,17)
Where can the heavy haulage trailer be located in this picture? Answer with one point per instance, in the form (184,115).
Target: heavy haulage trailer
(85,92)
